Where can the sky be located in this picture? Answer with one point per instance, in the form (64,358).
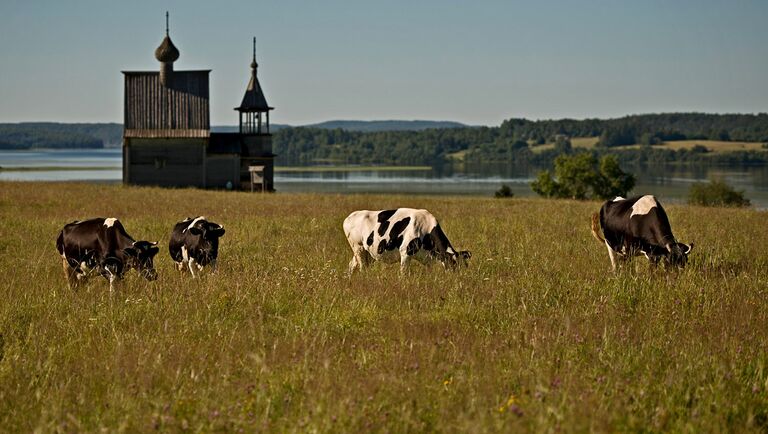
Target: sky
(477,62)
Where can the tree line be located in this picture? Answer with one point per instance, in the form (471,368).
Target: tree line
(515,141)
(53,135)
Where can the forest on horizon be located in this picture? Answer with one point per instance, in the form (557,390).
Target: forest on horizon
(431,142)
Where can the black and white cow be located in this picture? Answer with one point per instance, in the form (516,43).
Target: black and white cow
(402,233)
(636,226)
(101,245)
(195,243)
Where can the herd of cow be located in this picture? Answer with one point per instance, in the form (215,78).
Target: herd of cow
(630,227)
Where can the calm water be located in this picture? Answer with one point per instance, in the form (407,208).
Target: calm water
(670,183)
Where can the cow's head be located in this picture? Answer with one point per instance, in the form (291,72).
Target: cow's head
(141,257)
(462,257)
(678,254)
(455,259)
(209,233)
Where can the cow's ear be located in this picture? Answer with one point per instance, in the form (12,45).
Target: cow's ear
(153,251)
(219,232)
(195,231)
(130,251)
(466,254)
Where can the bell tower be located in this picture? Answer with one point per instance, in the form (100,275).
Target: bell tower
(254,110)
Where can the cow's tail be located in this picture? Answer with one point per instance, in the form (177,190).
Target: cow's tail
(60,243)
(596,227)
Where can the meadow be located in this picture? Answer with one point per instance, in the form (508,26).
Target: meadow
(716,146)
(535,335)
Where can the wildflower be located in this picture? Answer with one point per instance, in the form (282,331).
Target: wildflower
(512,406)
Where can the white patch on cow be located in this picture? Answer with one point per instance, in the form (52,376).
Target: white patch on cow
(193,223)
(643,206)
(618,198)
(109,222)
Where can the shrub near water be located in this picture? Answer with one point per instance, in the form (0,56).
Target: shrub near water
(581,176)
(535,335)
(716,193)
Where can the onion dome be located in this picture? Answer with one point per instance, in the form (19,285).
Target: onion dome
(167,52)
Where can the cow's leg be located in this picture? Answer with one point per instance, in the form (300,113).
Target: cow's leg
(654,260)
(404,260)
(69,274)
(213,266)
(612,255)
(112,278)
(186,260)
(651,259)
(191,264)
(359,258)
(181,265)
(352,265)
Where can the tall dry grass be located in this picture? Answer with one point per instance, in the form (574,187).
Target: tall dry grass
(535,335)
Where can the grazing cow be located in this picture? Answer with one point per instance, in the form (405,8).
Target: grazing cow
(402,233)
(636,226)
(103,246)
(195,244)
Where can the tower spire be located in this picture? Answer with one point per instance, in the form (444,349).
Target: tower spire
(254,65)
(166,23)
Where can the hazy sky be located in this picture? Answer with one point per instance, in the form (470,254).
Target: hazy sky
(478,62)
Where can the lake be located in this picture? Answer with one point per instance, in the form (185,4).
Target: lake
(671,183)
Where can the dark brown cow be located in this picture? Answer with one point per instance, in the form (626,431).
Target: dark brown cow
(101,245)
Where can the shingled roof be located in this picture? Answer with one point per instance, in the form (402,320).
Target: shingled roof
(167,52)
(254,100)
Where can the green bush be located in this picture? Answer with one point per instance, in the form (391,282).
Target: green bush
(582,176)
(716,193)
(503,192)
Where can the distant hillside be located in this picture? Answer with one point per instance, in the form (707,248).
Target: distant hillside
(425,142)
(27,135)
(391,125)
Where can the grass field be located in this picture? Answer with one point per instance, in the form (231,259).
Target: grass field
(716,146)
(534,335)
